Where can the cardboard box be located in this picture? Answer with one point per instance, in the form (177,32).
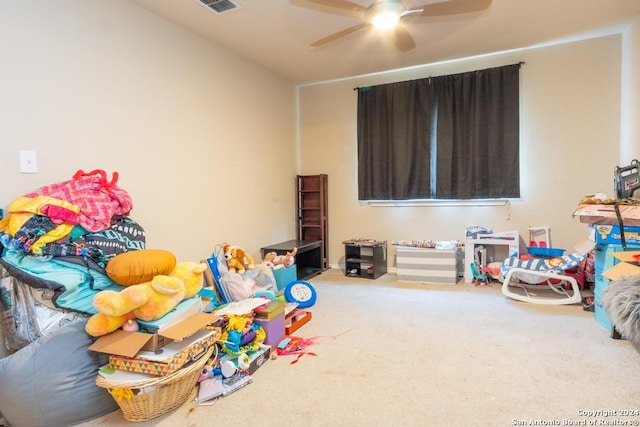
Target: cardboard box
(610,234)
(606,214)
(128,344)
(172,357)
(627,267)
(156,343)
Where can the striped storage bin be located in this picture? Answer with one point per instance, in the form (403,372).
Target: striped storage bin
(428,265)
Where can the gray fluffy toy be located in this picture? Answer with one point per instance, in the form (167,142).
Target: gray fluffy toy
(621,301)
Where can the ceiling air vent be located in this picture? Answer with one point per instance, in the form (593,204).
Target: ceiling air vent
(218,6)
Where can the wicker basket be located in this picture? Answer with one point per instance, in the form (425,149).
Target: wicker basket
(147,399)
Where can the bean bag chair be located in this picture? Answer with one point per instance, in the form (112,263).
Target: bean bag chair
(51,382)
(621,302)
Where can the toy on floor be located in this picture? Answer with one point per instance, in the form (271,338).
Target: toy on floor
(293,345)
(275,261)
(547,273)
(241,334)
(479,277)
(535,241)
(237,259)
(145,301)
(211,367)
(301,292)
(621,301)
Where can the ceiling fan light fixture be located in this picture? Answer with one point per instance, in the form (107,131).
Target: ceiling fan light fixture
(385,20)
(384,14)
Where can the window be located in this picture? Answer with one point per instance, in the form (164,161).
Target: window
(447,137)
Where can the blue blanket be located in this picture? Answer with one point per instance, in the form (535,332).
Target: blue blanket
(74,284)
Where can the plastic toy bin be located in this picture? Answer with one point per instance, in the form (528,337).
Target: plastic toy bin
(545,252)
(284,276)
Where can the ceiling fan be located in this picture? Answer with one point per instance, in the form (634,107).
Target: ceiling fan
(386,14)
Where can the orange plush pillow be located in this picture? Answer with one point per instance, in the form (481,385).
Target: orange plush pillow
(131,268)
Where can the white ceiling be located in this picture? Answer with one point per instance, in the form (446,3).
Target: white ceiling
(276,33)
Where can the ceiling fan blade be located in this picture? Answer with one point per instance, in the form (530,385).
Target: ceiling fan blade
(340,4)
(402,39)
(339,34)
(452,7)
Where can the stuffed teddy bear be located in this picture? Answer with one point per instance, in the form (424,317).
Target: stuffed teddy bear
(145,301)
(237,259)
(274,261)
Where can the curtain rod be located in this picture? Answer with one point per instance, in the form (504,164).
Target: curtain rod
(517,63)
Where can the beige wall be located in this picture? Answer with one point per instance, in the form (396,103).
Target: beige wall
(204,141)
(570,133)
(630,126)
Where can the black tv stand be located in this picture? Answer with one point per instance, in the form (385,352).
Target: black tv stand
(308,258)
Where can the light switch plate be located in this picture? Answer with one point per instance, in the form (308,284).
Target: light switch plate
(28,161)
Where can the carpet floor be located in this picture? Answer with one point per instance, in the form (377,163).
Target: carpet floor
(391,353)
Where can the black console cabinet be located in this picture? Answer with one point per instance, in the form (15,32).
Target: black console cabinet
(309,259)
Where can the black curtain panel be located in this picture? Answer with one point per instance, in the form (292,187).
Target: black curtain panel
(478,134)
(446,137)
(394,144)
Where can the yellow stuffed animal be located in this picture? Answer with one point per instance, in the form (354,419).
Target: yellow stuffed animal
(145,301)
(237,259)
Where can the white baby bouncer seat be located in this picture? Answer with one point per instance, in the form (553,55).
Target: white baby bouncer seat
(525,276)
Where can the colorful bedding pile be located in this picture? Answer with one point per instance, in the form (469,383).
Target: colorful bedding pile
(61,236)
